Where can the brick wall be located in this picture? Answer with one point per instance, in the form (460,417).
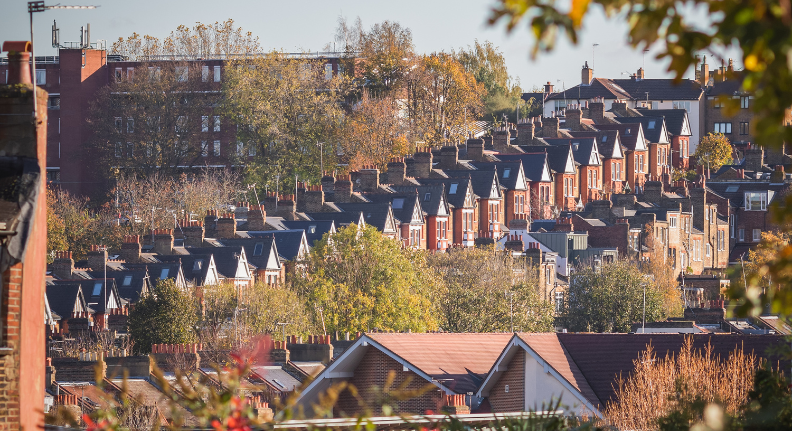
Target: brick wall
(514,400)
(9,368)
(370,376)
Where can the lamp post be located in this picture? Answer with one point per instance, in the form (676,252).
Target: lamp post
(39,6)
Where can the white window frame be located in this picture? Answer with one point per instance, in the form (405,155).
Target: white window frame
(216,123)
(762,201)
(757,235)
(217,74)
(672,221)
(204,73)
(204,123)
(182,74)
(741,233)
(216,148)
(41,76)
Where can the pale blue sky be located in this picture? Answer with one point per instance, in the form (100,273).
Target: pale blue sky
(309,25)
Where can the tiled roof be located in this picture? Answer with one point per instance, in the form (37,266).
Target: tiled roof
(599,87)
(480,180)
(226,258)
(582,147)
(314,229)
(628,140)
(195,266)
(635,89)
(434,192)
(287,241)
(94,291)
(730,87)
(464,357)
(343,218)
(557,155)
(504,167)
(533,164)
(652,126)
(278,378)
(675,119)
(132,283)
(62,298)
(605,141)
(456,199)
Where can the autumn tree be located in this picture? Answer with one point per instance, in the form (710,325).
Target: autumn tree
(283,106)
(611,298)
(483,279)
(713,151)
(503,94)
(362,280)
(374,132)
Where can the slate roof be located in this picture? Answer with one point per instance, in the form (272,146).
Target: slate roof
(314,229)
(533,163)
(373,214)
(599,87)
(674,118)
(131,283)
(635,89)
(628,140)
(582,147)
(195,266)
(287,242)
(93,295)
(226,258)
(404,212)
(63,297)
(557,155)
(463,357)
(276,376)
(480,180)
(652,134)
(729,87)
(735,191)
(341,219)
(434,192)
(456,199)
(513,167)
(605,141)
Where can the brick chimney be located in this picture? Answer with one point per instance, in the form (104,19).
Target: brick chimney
(130,248)
(586,74)
(619,107)
(601,209)
(422,164)
(754,159)
(226,226)
(271,202)
(778,174)
(653,191)
(63,265)
(548,88)
(704,74)
(501,140)
(210,223)
(640,74)
(194,232)
(397,171)
(163,241)
(475,150)
(597,110)
(328,181)
(525,132)
(314,199)
(241,210)
(519,222)
(455,405)
(369,178)
(550,127)
(96,258)
(287,207)
(449,156)
(257,217)
(573,115)
(514,243)
(18,62)
(301,186)
(533,254)
(343,188)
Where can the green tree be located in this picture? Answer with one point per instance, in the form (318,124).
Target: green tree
(483,279)
(610,299)
(166,314)
(362,280)
(713,151)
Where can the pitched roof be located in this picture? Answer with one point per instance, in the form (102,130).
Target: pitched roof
(94,292)
(635,89)
(654,127)
(729,87)
(584,149)
(196,267)
(131,283)
(406,207)
(599,87)
(628,134)
(535,165)
(226,258)
(432,197)
(288,242)
(510,173)
(485,183)
(375,214)
(456,189)
(343,218)
(464,357)
(314,229)
(606,142)
(558,156)
(65,298)
(677,120)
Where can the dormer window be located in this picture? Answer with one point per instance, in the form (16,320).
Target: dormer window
(755,201)
(198,265)
(164,273)
(97,288)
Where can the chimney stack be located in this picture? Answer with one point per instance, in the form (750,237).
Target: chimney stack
(475,150)
(63,265)
(18,62)
(525,132)
(550,128)
(586,74)
(287,207)
(449,156)
(422,164)
(397,171)
(163,241)
(343,188)
(704,74)
(194,232)
(257,217)
(210,223)
(573,118)
(754,159)
(241,210)
(597,110)
(328,181)
(640,74)
(314,199)
(226,226)
(653,191)
(130,248)
(369,178)
(501,140)
(271,202)
(96,258)
(548,88)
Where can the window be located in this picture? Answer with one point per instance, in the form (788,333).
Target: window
(328,71)
(216,123)
(559,301)
(181,74)
(506,173)
(130,74)
(757,235)
(709,250)
(742,235)
(427,197)
(130,150)
(154,73)
(755,201)
(41,76)
(97,290)
(725,128)
(682,105)
(130,125)
(119,149)
(641,162)
(216,148)
(258,249)
(651,124)
(717,103)
(604,138)
(54,102)
(204,73)
(240,149)
(744,102)
(204,123)
(744,128)
(453,189)
(164,274)
(181,124)
(596,182)
(217,74)
(127,280)
(655,105)
(731,225)
(119,123)
(672,222)
(118,74)
(204,149)
(252,150)
(589,179)
(398,203)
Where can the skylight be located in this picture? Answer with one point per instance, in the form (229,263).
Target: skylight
(279,383)
(258,249)
(651,124)
(506,172)
(452,190)
(627,132)
(127,280)
(164,273)
(732,189)
(312,228)
(198,264)
(604,138)
(97,288)
(427,197)
(398,203)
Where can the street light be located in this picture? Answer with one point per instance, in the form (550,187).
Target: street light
(39,6)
